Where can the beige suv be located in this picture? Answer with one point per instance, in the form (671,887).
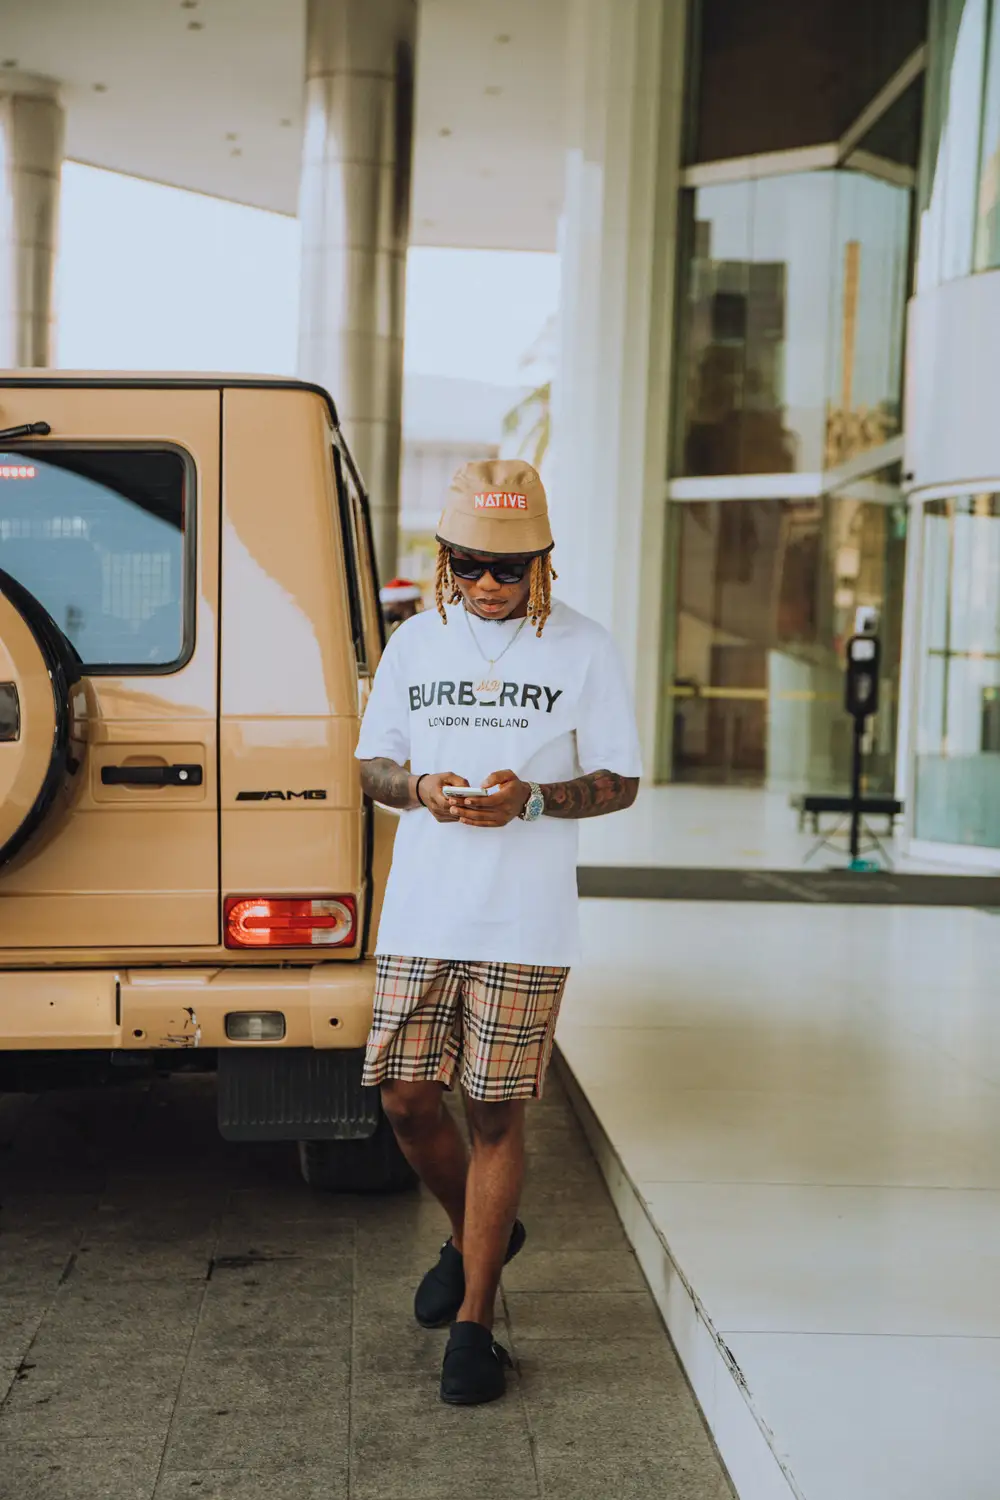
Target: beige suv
(189,874)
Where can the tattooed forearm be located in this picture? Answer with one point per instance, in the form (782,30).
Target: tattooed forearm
(385,782)
(590,796)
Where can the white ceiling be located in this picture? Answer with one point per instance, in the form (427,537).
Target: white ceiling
(207,94)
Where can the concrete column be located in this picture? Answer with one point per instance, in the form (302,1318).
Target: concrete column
(355,213)
(612,387)
(31,153)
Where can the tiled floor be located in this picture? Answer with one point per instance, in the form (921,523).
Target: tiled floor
(804,1105)
(183,1318)
(722,827)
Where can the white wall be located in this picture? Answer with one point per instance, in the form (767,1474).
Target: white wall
(953,369)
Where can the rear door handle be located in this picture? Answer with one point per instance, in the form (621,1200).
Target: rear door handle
(151,775)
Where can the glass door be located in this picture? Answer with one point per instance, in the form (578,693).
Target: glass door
(957,760)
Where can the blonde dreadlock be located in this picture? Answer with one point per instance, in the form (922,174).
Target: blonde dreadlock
(540,598)
(446,590)
(445,587)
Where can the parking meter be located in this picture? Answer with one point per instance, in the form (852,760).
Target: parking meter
(864,656)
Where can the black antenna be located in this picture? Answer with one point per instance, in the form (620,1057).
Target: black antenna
(28,429)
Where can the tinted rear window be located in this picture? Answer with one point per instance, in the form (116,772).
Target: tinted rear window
(99,536)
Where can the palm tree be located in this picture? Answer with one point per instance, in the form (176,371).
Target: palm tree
(535,409)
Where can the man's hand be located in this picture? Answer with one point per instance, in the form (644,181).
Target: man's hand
(500,809)
(445,809)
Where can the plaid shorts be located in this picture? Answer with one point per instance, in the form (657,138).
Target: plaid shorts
(492,1024)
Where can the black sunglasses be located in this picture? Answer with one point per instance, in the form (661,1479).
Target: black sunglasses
(502,570)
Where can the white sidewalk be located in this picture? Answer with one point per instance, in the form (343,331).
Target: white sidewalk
(798,1111)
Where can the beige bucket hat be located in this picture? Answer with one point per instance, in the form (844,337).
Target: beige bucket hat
(496,506)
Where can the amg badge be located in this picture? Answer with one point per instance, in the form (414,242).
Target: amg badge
(312,796)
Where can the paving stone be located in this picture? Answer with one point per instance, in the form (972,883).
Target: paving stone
(79,1469)
(157,1223)
(620,1419)
(140,1191)
(406,1246)
(222,1437)
(596,1228)
(573,1271)
(577,1169)
(252,1316)
(551,1369)
(246,1372)
(34,1262)
(276,1378)
(388,1342)
(304,1482)
(118,1260)
(21,1312)
(407,1444)
(78,1391)
(150,1314)
(556,1139)
(290,1202)
(630,1476)
(600,1316)
(284,1273)
(331,1241)
(390,1347)
(33,1212)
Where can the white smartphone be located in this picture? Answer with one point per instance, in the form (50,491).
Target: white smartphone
(470,791)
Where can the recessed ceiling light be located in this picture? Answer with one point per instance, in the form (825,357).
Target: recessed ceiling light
(445,130)
(493,88)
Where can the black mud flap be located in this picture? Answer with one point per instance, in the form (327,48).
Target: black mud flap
(294,1094)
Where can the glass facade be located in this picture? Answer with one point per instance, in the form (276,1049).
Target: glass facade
(792,322)
(767,592)
(793,284)
(960,175)
(957,792)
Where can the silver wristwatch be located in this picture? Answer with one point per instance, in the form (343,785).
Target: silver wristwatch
(535,805)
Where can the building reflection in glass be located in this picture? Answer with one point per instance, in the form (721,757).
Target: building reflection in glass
(767,593)
(792,322)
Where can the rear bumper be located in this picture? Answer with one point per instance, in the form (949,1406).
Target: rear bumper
(327,1005)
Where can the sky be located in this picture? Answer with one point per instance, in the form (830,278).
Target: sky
(152,277)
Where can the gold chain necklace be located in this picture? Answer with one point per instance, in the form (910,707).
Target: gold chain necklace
(491,661)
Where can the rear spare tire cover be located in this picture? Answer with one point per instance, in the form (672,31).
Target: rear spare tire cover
(36,674)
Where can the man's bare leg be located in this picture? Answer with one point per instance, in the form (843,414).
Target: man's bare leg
(432,1143)
(493,1189)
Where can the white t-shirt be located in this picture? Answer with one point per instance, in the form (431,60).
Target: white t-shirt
(552,708)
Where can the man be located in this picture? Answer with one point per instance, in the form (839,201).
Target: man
(400,600)
(500,688)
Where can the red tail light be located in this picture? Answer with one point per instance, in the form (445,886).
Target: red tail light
(270,922)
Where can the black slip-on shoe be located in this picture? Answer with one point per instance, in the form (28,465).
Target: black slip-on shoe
(475,1366)
(442,1291)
